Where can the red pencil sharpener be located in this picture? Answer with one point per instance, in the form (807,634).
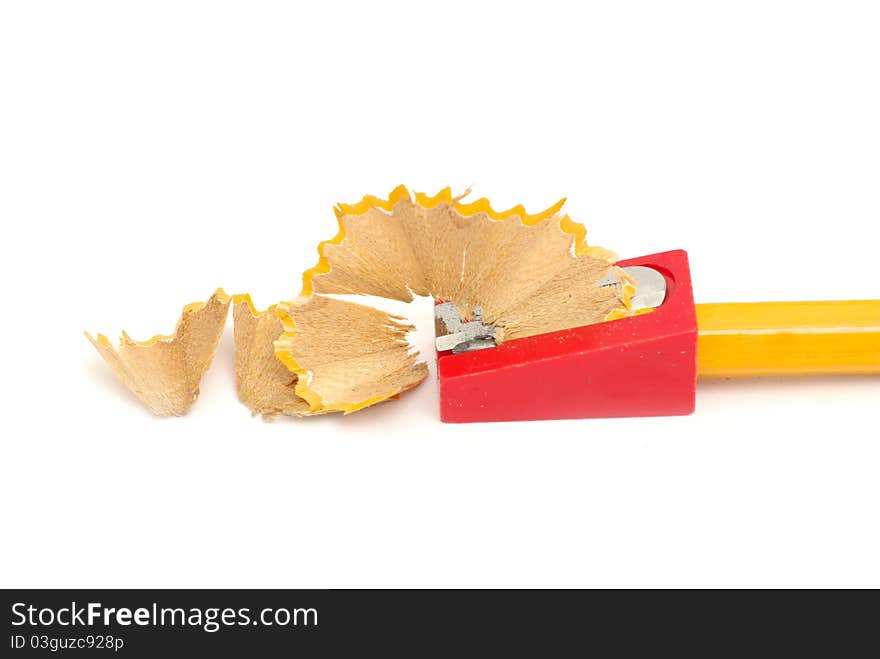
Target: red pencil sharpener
(644,365)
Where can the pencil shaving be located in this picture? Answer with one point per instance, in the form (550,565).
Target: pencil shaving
(264,383)
(346,356)
(529,274)
(165,371)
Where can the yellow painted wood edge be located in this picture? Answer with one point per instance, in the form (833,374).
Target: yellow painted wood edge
(190,308)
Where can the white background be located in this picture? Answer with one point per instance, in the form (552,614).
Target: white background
(150,152)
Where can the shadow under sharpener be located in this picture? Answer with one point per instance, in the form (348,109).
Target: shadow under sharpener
(643,365)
